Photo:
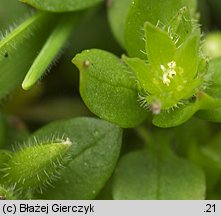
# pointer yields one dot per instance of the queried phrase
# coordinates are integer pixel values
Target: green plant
(168, 77)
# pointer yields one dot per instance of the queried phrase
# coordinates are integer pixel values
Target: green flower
(172, 72)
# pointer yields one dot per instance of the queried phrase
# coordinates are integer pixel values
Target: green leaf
(185, 112)
(34, 167)
(157, 12)
(62, 6)
(160, 175)
(93, 156)
(19, 48)
(51, 49)
(117, 14)
(108, 88)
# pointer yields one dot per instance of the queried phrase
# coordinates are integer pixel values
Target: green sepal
(181, 26)
(142, 73)
(187, 56)
(160, 48)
